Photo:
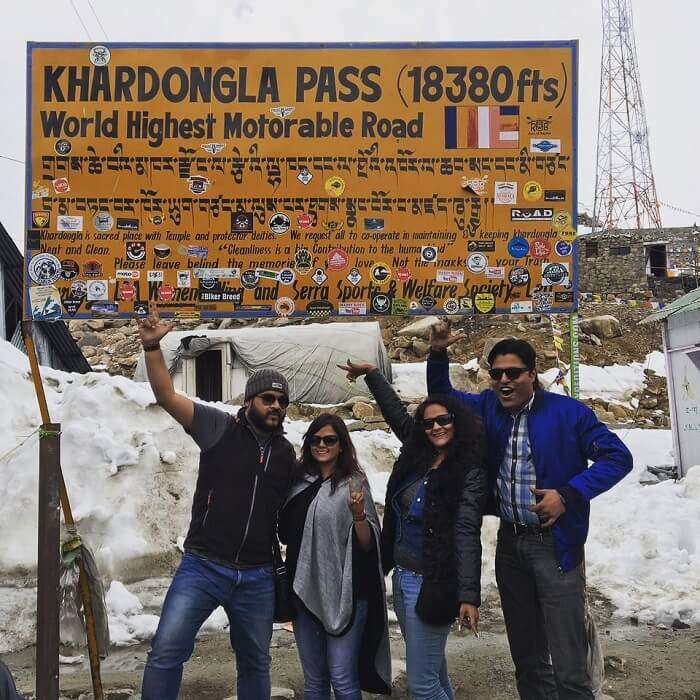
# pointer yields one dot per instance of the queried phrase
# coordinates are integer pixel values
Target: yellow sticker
(335, 185)
(532, 191)
(380, 273)
(562, 220)
(484, 302)
(568, 235)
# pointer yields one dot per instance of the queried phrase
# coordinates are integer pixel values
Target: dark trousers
(544, 611)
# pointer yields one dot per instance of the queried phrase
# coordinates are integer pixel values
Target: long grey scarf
(323, 579)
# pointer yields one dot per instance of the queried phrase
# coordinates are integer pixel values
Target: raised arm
(151, 331)
(389, 403)
(438, 366)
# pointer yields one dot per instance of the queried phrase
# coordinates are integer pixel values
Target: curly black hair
(466, 448)
(347, 464)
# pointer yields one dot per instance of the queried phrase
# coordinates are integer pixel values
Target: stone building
(664, 261)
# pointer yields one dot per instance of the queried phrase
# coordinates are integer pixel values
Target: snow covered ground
(130, 471)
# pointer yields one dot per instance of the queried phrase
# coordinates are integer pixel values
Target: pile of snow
(615, 383)
(131, 470)
(644, 541)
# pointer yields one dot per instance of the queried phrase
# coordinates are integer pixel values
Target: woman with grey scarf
(332, 532)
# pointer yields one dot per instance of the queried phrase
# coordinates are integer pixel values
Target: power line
(98, 20)
(75, 9)
(681, 210)
(14, 160)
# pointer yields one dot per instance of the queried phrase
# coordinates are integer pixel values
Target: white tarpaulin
(307, 355)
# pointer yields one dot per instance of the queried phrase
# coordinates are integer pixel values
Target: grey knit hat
(263, 380)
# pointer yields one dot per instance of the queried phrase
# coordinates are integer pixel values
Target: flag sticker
(482, 127)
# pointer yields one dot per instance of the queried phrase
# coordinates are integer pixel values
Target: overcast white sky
(666, 34)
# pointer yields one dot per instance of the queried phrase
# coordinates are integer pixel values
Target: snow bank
(643, 550)
(613, 382)
(131, 470)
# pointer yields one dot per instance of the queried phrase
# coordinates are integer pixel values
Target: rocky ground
(609, 334)
(642, 663)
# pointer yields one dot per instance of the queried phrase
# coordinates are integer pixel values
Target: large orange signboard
(278, 180)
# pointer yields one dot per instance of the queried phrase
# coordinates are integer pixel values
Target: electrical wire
(14, 160)
(98, 20)
(75, 9)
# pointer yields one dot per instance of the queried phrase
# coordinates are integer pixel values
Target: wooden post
(49, 564)
(85, 594)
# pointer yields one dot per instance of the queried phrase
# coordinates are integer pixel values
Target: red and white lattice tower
(625, 193)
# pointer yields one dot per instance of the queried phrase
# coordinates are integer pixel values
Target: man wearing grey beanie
(245, 470)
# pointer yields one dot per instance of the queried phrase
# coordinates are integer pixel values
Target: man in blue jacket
(540, 485)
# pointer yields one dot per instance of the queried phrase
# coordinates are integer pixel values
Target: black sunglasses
(328, 440)
(271, 399)
(510, 372)
(443, 420)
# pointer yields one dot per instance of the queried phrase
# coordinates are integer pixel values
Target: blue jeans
(198, 588)
(327, 660)
(426, 665)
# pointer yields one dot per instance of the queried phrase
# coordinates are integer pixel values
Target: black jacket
(455, 500)
(240, 488)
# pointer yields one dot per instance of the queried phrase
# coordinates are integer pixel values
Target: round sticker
(44, 269)
(92, 268)
(518, 247)
(166, 292)
(63, 147)
(335, 185)
(279, 223)
(286, 276)
(519, 276)
(450, 305)
(161, 250)
(61, 185)
(427, 302)
(381, 303)
(532, 191)
(484, 302)
(284, 306)
(428, 253)
(477, 262)
(103, 221)
(69, 269)
(540, 248)
(380, 273)
(561, 220)
(99, 55)
(554, 273)
(338, 259)
(562, 248)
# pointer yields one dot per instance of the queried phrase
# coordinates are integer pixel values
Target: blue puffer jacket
(564, 435)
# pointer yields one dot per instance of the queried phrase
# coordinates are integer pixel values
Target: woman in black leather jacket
(431, 534)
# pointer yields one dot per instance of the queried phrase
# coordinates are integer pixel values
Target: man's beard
(259, 420)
